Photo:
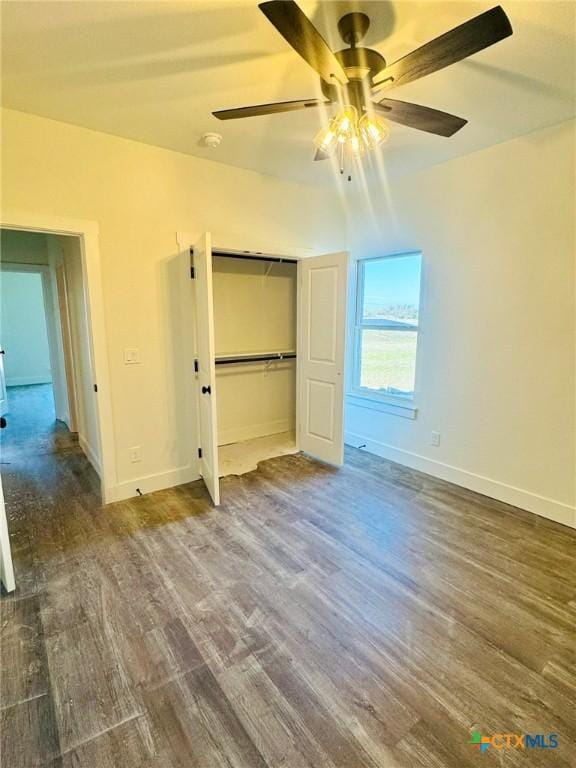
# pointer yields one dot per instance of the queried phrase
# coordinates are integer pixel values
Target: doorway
(310, 317)
(48, 397)
(71, 242)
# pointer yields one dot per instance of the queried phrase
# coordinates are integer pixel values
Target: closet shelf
(255, 358)
(254, 257)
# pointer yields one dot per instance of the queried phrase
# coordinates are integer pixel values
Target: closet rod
(255, 358)
(250, 257)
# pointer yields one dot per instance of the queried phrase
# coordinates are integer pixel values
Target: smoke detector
(211, 140)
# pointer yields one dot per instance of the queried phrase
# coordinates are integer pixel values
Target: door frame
(88, 234)
(6, 564)
(185, 241)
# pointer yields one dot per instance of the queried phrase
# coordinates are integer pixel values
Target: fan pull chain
(343, 162)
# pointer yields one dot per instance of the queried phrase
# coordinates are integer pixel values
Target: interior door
(6, 568)
(3, 395)
(66, 335)
(323, 284)
(206, 378)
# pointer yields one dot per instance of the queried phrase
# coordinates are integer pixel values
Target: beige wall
(496, 373)
(254, 312)
(141, 196)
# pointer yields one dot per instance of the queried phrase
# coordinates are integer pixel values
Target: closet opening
(269, 365)
(255, 326)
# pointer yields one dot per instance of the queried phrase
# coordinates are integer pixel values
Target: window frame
(402, 405)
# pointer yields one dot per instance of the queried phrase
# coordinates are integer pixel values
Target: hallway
(32, 427)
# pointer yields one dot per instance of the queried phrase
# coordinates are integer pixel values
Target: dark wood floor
(367, 617)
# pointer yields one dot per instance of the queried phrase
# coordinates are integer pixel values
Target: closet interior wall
(255, 306)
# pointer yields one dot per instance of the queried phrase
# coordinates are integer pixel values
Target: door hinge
(95, 387)
(192, 273)
(195, 366)
(199, 453)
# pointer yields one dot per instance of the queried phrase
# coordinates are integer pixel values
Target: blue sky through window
(390, 284)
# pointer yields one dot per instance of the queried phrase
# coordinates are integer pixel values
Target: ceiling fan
(355, 77)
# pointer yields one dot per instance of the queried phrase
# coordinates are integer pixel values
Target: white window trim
(363, 397)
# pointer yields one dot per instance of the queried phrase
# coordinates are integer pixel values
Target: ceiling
(154, 71)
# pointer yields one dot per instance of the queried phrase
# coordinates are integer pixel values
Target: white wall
(23, 333)
(254, 312)
(26, 360)
(496, 371)
(141, 196)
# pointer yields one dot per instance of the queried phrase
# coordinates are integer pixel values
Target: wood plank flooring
(363, 618)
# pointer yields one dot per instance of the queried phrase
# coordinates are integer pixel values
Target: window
(386, 329)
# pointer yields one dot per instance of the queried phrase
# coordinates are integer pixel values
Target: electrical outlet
(135, 454)
(435, 438)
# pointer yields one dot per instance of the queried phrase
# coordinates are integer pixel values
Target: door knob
(206, 390)
(3, 422)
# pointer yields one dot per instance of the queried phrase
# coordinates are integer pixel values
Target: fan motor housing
(359, 64)
(353, 27)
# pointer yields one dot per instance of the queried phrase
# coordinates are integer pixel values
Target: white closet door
(6, 569)
(321, 350)
(206, 378)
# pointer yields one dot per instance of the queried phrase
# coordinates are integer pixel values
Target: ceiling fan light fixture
(326, 139)
(345, 124)
(374, 130)
(356, 145)
(342, 130)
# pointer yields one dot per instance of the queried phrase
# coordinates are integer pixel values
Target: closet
(270, 343)
(255, 354)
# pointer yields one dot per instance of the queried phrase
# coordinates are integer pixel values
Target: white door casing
(3, 395)
(205, 355)
(323, 283)
(6, 567)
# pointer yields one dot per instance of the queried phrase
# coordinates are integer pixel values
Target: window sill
(393, 407)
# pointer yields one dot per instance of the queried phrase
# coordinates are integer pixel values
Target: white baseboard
(509, 494)
(89, 453)
(24, 381)
(151, 483)
(249, 432)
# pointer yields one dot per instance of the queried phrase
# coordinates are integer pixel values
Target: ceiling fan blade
(457, 44)
(299, 32)
(422, 118)
(320, 155)
(267, 109)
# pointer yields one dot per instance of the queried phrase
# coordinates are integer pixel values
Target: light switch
(131, 356)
